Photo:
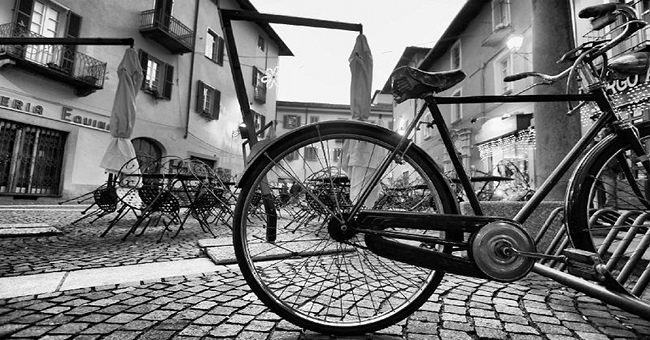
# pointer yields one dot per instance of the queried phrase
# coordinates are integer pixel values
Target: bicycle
(351, 269)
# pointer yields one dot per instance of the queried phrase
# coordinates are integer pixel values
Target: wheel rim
(315, 280)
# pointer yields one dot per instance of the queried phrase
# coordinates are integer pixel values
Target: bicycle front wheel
(298, 259)
(608, 210)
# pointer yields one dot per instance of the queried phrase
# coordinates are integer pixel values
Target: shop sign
(68, 115)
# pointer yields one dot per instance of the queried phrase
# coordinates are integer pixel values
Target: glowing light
(271, 76)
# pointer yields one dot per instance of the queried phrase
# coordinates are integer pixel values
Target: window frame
(498, 9)
(259, 87)
(500, 86)
(285, 122)
(214, 101)
(456, 111)
(456, 49)
(311, 154)
(218, 47)
(164, 73)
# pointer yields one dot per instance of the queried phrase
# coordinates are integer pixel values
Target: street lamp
(514, 43)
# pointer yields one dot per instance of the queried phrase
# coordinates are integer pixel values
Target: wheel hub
(339, 231)
(493, 250)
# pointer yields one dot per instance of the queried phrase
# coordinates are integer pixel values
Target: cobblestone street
(219, 304)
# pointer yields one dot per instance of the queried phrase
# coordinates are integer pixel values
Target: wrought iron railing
(156, 19)
(59, 58)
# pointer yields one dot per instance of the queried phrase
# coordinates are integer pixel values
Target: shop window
(208, 101)
(214, 47)
(291, 121)
(158, 76)
(500, 14)
(259, 87)
(455, 56)
(31, 159)
(211, 163)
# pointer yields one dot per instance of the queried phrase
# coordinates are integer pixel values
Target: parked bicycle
(352, 269)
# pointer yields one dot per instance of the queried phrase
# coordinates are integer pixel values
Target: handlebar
(591, 50)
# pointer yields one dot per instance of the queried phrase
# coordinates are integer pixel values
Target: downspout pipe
(191, 77)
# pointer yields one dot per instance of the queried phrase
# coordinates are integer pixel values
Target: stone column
(556, 132)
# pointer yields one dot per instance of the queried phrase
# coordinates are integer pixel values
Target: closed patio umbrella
(360, 159)
(120, 149)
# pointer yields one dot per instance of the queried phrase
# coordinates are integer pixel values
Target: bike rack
(634, 222)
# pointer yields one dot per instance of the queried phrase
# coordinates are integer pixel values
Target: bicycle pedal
(584, 264)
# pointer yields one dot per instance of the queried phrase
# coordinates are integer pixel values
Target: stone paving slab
(30, 284)
(27, 229)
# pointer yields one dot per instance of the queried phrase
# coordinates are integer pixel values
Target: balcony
(58, 62)
(167, 31)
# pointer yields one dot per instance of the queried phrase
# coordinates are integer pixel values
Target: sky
(319, 71)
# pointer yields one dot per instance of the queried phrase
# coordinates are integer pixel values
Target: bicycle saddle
(409, 82)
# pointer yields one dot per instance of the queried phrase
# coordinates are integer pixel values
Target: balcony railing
(60, 62)
(167, 31)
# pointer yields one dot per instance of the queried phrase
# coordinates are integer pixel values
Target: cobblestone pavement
(80, 247)
(220, 304)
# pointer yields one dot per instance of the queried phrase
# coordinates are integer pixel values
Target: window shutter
(71, 31)
(169, 81)
(74, 25)
(144, 60)
(199, 97)
(220, 50)
(217, 104)
(24, 10)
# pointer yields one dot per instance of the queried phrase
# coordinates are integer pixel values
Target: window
(503, 68)
(259, 122)
(426, 133)
(158, 76)
(214, 47)
(337, 154)
(500, 14)
(291, 121)
(311, 154)
(47, 19)
(146, 148)
(293, 156)
(456, 109)
(259, 87)
(314, 119)
(261, 44)
(208, 101)
(455, 56)
(211, 163)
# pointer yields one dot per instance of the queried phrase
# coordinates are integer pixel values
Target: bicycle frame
(622, 300)
(619, 299)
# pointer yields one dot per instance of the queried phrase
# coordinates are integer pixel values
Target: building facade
(55, 101)
(291, 115)
(488, 40)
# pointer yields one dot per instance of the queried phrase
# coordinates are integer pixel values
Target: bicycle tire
(306, 276)
(603, 210)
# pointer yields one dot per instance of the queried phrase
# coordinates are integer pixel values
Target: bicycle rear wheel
(609, 211)
(312, 272)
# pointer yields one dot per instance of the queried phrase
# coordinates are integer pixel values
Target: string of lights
(522, 140)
